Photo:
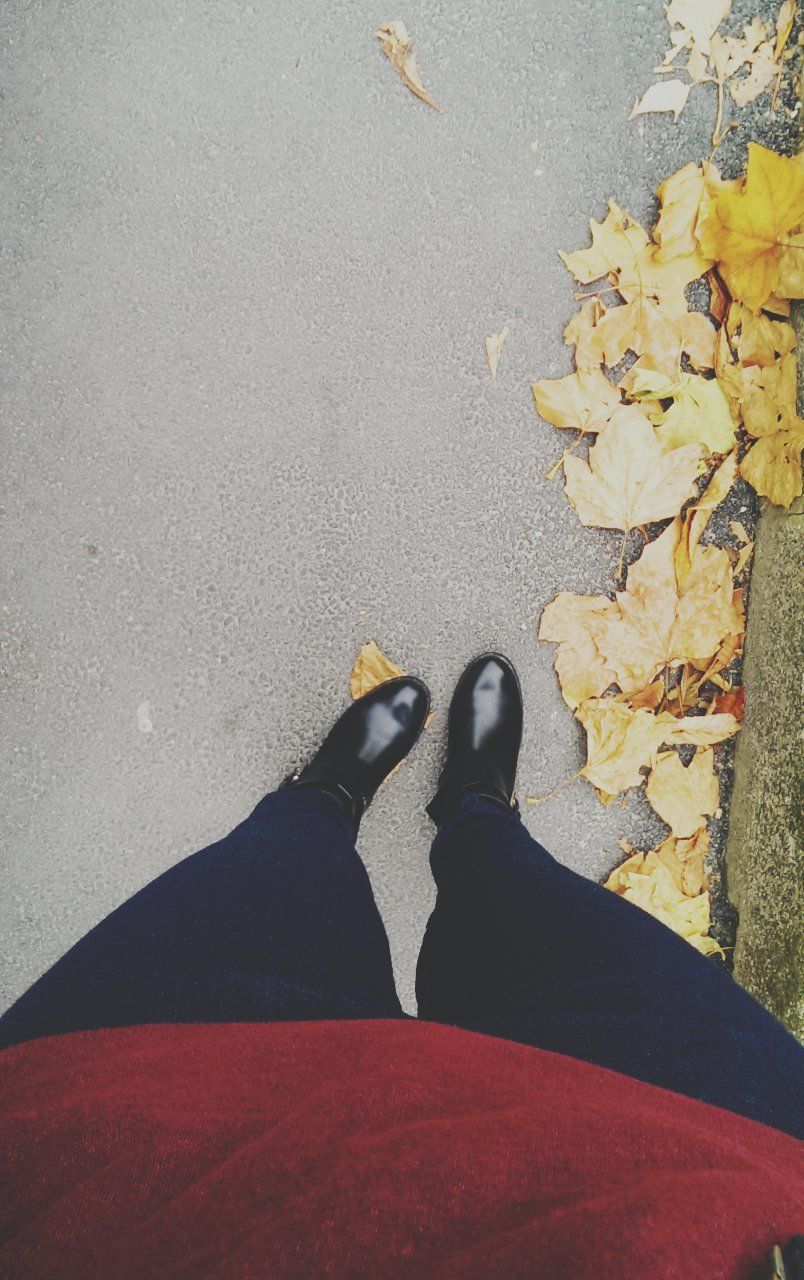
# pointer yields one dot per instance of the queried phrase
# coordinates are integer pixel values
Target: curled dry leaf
(698, 515)
(683, 796)
(371, 668)
(493, 345)
(732, 702)
(628, 481)
(784, 26)
(397, 46)
(739, 531)
(719, 299)
(743, 558)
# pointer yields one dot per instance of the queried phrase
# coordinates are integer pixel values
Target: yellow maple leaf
(745, 231)
(699, 414)
(758, 339)
(647, 329)
(659, 621)
(569, 621)
(622, 251)
(618, 239)
(583, 401)
(371, 668)
(773, 464)
(791, 269)
(680, 198)
(663, 622)
(684, 796)
(628, 481)
(397, 46)
(652, 881)
(578, 333)
(621, 741)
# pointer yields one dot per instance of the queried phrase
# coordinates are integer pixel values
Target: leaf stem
(555, 790)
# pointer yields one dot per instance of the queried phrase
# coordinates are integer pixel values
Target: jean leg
(520, 947)
(275, 922)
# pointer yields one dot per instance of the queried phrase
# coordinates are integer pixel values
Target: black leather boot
(366, 743)
(483, 736)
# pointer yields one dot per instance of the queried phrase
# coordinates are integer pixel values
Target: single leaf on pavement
(397, 46)
(628, 481)
(665, 95)
(684, 796)
(582, 401)
(744, 231)
(493, 345)
(371, 668)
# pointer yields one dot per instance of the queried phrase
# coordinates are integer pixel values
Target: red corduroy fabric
(371, 1149)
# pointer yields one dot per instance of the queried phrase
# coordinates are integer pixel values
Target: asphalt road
(248, 421)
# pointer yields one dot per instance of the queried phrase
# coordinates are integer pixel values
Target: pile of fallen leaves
(750, 64)
(679, 404)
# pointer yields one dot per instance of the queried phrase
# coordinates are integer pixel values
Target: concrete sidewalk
(248, 421)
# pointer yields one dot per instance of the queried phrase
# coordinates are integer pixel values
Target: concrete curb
(765, 849)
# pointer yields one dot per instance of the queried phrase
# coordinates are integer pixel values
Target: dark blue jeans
(278, 921)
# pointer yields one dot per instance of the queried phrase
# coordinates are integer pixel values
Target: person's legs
(523, 948)
(276, 921)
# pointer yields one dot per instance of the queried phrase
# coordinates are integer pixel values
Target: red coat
(371, 1149)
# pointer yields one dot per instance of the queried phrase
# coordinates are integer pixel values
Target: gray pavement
(248, 421)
